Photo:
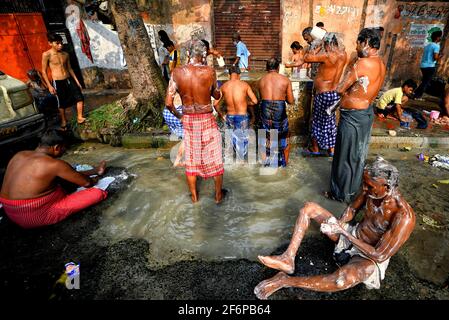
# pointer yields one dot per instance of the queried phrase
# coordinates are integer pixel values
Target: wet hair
(197, 49)
(410, 83)
(234, 69)
(436, 34)
(206, 43)
(296, 45)
(52, 37)
(330, 39)
(371, 36)
(272, 64)
(381, 168)
(320, 24)
(306, 31)
(52, 137)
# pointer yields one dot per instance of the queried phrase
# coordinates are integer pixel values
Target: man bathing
(30, 194)
(275, 90)
(358, 89)
(235, 93)
(363, 250)
(196, 83)
(65, 83)
(332, 59)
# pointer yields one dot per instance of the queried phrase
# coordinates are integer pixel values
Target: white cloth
(373, 281)
(102, 184)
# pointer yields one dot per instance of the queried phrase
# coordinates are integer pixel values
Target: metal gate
(259, 25)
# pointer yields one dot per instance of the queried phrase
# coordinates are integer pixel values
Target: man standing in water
(275, 90)
(65, 83)
(331, 59)
(359, 88)
(196, 83)
(235, 93)
(363, 251)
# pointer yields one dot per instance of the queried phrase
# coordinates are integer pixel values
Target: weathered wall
(183, 20)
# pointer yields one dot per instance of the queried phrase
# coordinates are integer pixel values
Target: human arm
(355, 206)
(71, 72)
(216, 92)
(315, 56)
(170, 97)
(446, 101)
(64, 171)
(45, 61)
(251, 105)
(98, 170)
(348, 80)
(290, 98)
(218, 104)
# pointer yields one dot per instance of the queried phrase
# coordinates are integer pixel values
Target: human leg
(286, 261)
(427, 74)
(79, 108)
(191, 183)
(348, 276)
(218, 180)
(63, 118)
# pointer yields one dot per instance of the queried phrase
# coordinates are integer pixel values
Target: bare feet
(101, 168)
(220, 196)
(194, 198)
(267, 287)
(283, 262)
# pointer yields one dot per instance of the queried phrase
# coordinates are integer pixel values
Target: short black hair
(206, 43)
(52, 37)
(272, 64)
(52, 137)
(296, 45)
(410, 83)
(371, 36)
(234, 69)
(320, 24)
(436, 34)
(306, 31)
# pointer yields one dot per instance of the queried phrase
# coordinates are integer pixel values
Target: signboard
(419, 34)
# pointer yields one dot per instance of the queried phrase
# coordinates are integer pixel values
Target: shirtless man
(235, 93)
(196, 83)
(363, 250)
(30, 194)
(65, 83)
(331, 59)
(297, 60)
(275, 90)
(357, 90)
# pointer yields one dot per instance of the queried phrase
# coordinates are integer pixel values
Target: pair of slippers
(310, 153)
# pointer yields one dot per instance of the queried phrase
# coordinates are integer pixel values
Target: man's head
(55, 40)
(380, 178)
(198, 51)
(320, 25)
(408, 87)
(330, 41)
(436, 36)
(233, 70)
(33, 75)
(306, 34)
(273, 64)
(54, 141)
(296, 47)
(236, 38)
(367, 39)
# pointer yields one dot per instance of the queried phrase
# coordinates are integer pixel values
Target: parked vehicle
(20, 119)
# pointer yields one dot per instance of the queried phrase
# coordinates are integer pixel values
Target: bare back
(329, 72)
(195, 85)
(235, 93)
(58, 63)
(274, 86)
(365, 79)
(32, 174)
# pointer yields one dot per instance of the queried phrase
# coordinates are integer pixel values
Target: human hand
(331, 227)
(52, 90)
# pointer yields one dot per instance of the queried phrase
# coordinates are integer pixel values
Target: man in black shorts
(65, 83)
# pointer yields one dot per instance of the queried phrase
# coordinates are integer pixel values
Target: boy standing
(65, 83)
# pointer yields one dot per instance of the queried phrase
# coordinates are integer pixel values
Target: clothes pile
(440, 161)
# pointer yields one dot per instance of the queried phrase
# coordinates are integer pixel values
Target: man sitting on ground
(30, 194)
(363, 250)
(392, 101)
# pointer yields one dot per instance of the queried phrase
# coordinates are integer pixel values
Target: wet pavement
(121, 260)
